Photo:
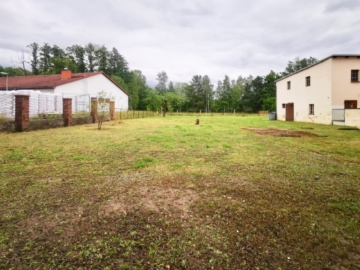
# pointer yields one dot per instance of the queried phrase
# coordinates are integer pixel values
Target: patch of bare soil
(161, 200)
(35, 227)
(227, 182)
(282, 132)
(116, 207)
(64, 223)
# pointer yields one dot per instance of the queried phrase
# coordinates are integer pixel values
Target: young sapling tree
(103, 107)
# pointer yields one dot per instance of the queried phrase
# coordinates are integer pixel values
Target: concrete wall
(342, 87)
(94, 84)
(318, 93)
(352, 117)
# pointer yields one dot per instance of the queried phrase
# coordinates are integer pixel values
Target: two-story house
(327, 92)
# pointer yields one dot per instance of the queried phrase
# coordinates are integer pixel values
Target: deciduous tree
(90, 50)
(161, 87)
(77, 54)
(102, 56)
(34, 57)
(298, 64)
(45, 56)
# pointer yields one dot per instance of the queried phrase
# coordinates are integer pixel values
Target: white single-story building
(78, 86)
(327, 92)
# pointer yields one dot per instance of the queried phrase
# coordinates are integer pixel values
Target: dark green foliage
(102, 56)
(57, 52)
(134, 86)
(194, 93)
(142, 90)
(298, 64)
(89, 58)
(34, 57)
(120, 81)
(153, 101)
(269, 91)
(269, 104)
(90, 51)
(251, 99)
(77, 54)
(171, 87)
(199, 94)
(14, 71)
(173, 101)
(60, 63)
(229, 94)
(118, 66)
(45, 56)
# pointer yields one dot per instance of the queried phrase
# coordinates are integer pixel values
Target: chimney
(66, 74)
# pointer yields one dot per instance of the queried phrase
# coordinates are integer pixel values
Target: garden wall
(45, 124)
(23, 121)
(37, 124)
(7, 126)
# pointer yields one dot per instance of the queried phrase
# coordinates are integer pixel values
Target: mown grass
(164, 193)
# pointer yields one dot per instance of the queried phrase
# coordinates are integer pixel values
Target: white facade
(315, 91)
(92, 86)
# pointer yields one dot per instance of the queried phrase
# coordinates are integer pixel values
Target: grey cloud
(342, 5)
(189, 37)
(197, 9)
(8, 45)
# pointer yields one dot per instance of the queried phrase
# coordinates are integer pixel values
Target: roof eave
(107, 76)
(323, 60)
(27, 88)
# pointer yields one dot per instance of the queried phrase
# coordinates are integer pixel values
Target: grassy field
(163, 193)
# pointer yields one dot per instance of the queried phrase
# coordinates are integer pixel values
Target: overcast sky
(189, 37)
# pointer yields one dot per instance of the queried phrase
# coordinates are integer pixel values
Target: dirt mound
(282, 132)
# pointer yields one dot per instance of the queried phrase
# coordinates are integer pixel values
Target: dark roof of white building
(47, 81)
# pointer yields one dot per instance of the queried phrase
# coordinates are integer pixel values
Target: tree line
(243, 94)
(247, 94)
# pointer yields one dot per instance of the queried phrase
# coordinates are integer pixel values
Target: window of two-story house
(288, 85)
(350, 104)
(311, 109)
(307, 81)
(355, 75)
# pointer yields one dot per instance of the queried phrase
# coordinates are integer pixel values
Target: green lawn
(164, 193)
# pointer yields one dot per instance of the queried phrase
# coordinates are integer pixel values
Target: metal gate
(338, 115)
(80, 103)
